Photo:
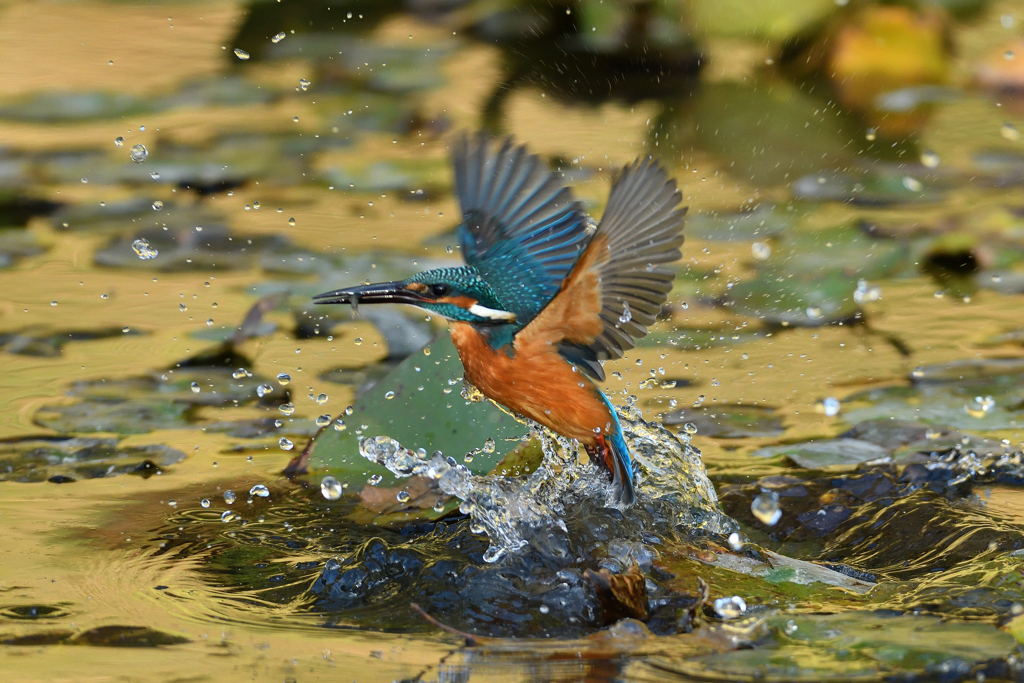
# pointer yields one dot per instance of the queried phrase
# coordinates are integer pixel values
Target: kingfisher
(546, 296)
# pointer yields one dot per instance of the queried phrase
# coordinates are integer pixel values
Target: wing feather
(522, 229)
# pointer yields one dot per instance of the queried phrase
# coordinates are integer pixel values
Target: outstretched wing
(521, 229)
(618, 287)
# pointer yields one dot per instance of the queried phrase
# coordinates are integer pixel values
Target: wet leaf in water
(759, 224)
(781, 298)
(51, 344)
(117, 416)
(826, 453)
(40, 459)
(729, 421)
(867, 190)
(424, 417)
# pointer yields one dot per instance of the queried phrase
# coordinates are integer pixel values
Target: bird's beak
(380, 293)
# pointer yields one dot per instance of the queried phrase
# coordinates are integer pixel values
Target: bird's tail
(611, 451)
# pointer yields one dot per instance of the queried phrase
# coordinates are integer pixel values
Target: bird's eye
(439, 290)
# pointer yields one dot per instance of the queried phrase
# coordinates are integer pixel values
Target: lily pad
(760, 223)
(418, 404)
(866, 190)
(786, 299)
(186, 249)
(852, 248)
(115, 416)
(973, 395)
(826, 453)
(51, 344)
(729, 421)
(42, 459)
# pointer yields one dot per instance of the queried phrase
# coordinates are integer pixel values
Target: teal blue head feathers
(454, 293)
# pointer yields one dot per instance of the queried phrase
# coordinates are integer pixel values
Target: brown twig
(471, 640)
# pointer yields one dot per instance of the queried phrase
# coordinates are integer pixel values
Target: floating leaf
(826, 453)
(729, 421)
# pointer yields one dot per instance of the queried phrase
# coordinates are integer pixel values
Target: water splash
(672, 486)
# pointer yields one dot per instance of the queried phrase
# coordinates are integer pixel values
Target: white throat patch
(491, 313)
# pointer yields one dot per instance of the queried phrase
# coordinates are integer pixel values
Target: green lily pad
(419, 404)
(729, 421)
(51, 344)
(760, 223)
(213, 247)
(116, 416)
(826, 453)
(849, 248)
(781, 298)
(68, 459)
(855, 646)
(866, 190)
(973, 395)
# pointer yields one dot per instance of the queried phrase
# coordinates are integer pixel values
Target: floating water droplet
(544, 609)
(912, 184)
(340, 425)
(291, 222)
(230, 497)
(157, 205)
(330, 488)
(240, 373)
(403, 496)
(374, 479)
(870, 134)
(304, 84)
(279, 37)
(143, 250)
(918, 372)
(690, 428)
(627, 314)
(260, 491)
(761, 251)
(766, 508)
(1006, 21)
(53, 303)
(866, 293)
(138, 153)
(182, 308)
(980, 406)
(205, 502)
(283, 379)
(1009, 55)
(389, 395)
(196, 388)
(285, 444)
(814, 313)
(209, 322)
(241, 54)
(349, 410)
(929, 159)
(1010, 132)
(439, 506)
(321, 399)
(119, 141)
(264, 389)
(731, 607)
(735, 542)
(358, 341)
(488, 446)
(830, 406)
(791, 627)
(227, 516)
(154, 175)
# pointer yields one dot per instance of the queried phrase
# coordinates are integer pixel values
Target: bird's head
(454, 293)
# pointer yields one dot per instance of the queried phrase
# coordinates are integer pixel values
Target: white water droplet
(830, 406)
(119, 141)
(143, 250)
(195, 388)
(264, 389)
(283, 379)
(1010, 132)
(339, 425)
(929, 159)
(321, 399)
(403, 497)
(260, 491)
(240, 373)
(138, 153)
(205, 502)
(912, 184)
(731, 607)
(761, 251)
(389, 395)
(870, 134)
(330, 488)
(285, 444)
(241, 54)
(279, 37)
(627, 314)
(766, 508)
(323, 420)
(304, 84)
(157, 205)
(287, 408)
(227, 516)
(735, 542)
(229, 497)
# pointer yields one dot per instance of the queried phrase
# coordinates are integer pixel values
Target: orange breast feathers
(535, 381)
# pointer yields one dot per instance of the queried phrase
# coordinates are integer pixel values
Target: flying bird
(545, 296)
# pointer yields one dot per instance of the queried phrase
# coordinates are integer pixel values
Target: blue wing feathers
(522, 230)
